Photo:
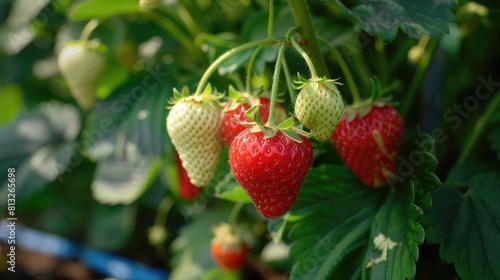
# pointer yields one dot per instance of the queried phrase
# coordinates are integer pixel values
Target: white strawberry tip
(226, 237)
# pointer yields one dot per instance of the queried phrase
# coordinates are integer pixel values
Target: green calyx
(239, 97)
(289, 127)
(313, 84)
(378, 98)
(94, 45)
(208, 97)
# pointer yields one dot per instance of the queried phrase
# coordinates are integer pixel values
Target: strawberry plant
(308, 139)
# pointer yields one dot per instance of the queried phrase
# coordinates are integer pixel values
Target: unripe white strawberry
(319, 106)
(81, 66)
(149, 4)
(193, 125)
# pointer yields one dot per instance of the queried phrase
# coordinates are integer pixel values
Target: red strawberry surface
(229, 258)
(230, 129)
(369, 142)
(270, 170)
(227, 249)
(187, 191)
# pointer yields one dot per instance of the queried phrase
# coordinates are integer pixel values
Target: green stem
(188, 19)
(306, 30)
(234, 214)
(382, 61)
(162, 212)
(289, 81)
(274, 88)
(238, 82)
(251, 64)
(87, 30)
(479, 128)
(211, 69)
(356, 97)
(270, 22)
(171, 28)
(418, 77)
(306, 57)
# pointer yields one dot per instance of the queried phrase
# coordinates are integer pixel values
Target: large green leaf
(40, 146)
(341, 227)
(467, 226)
(417, 164)
(383, 17)
(130, 124)
(395, 236)
(102, 9)
(17, 33)
(336, 212)
(121, 182)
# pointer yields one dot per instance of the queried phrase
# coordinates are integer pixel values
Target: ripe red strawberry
(187, 191)
(228, 250)
(270, 170)
(233, 110)
(368, 139)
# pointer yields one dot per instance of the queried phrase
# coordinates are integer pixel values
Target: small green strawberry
(193, 125)
(81, 65)
(319, 106)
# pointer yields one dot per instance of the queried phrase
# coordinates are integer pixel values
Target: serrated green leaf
(102, 9)
(417, 164)
(467, 226)
(395, 236)
(332, 214)
(383, 17)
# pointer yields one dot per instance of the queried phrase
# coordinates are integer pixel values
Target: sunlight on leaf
(383, 17)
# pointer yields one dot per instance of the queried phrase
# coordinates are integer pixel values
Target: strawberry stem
(234, 214)
(306, 57)
(423, 64)
(271, 121)
(303, 21)
(478, 129)
(251, 63)
(211, 69)
(356, 97)
(162, 212)
(171, 28)
(270, 22)
(289, 81)
(87, 30)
